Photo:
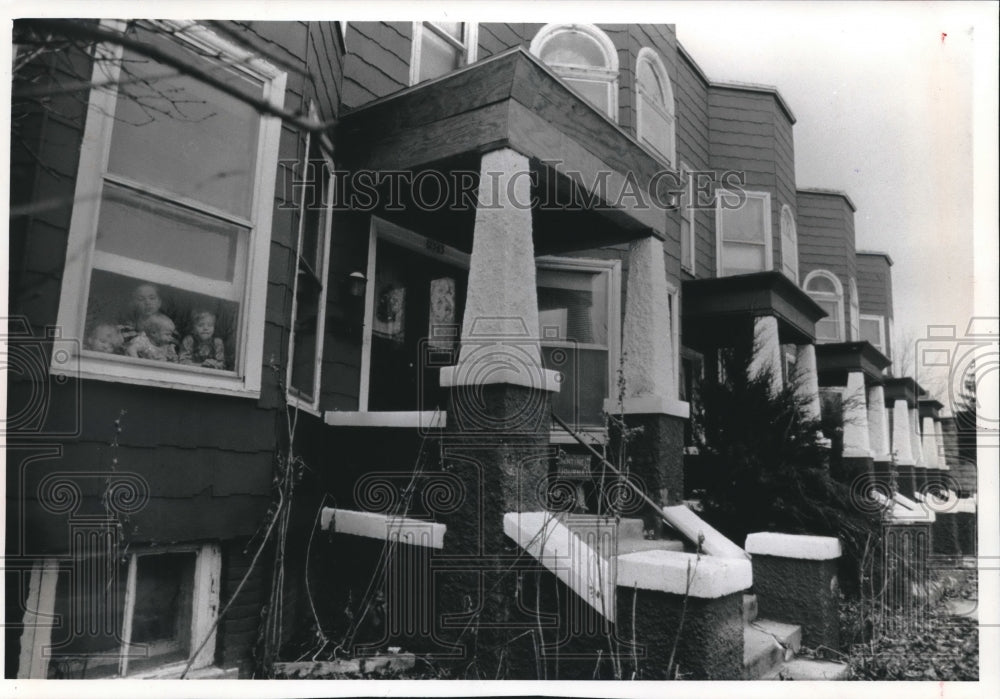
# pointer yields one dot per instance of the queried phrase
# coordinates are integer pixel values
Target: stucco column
(930, 445)
(856, 444)
(767, 350)
(878, 423)
(496, 442)
(918, 453)
(808, 388)
(650, 367)
(902, 445)
(649, 371)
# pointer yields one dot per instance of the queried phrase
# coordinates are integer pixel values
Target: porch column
(878, 423)
(496, 440)
(767, 350)
(918, 453)
(856, 444)
(808, 388)
(902, 447)
(649, 372)
(930, 445)
(901, 443)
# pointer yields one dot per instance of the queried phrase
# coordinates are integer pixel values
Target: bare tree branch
(96, 33)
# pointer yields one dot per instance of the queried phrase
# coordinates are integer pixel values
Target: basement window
(142, 615)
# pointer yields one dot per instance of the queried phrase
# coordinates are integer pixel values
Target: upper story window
(789, 245)
(166, 266)
(826, 290)
(414, 309)
(872, 329)
(655, 104)
(853, 314)
(308, 310)
(584, 57)
(743, 234)
(441, 47)
(687, 210)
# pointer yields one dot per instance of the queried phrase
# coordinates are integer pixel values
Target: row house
(415, 265)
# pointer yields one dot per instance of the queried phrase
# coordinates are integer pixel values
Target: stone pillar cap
(802, 546)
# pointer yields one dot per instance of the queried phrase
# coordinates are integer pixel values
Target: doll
(155, 340)
(202, 347)
(106, 337)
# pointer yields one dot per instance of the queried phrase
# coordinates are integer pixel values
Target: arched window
(854, 316)
(655, 104)
(789, 245)
(584, 57)
(826, 290)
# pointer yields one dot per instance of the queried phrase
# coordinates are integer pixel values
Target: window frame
(669, 110)
(767, 243)
(469, 45)
(381, 229)
(874, 317)
(853, 311)
(245, 378)
(688, 211)
(40, 617)
(836, 296)
(789, 239)
(608, 75)
(292, 394)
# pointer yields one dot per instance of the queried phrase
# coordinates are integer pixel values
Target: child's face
(161, 333)
(204, 327)
(146, 300)
(106, 338)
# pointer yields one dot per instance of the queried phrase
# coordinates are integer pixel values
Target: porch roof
(511, 100)
(903, 388)
(710, 303)
(835, 359)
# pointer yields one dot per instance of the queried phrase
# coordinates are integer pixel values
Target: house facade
(374, 258)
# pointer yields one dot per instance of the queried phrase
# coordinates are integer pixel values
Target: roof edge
(829, 192)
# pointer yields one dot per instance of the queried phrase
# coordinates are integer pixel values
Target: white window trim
(668, 111)
(469, 44)
(673, 294)
(607, 75)
(39, 615)
(688, 214)
(837, 297)
(80, 249)
(720, 197)
(789, 233)
(854, 319)
(382, 229)
(292, 396)
(881, 328)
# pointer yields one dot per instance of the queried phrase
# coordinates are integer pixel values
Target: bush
(768, 465)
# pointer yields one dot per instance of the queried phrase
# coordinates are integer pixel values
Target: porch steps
(768, 644)
(769, 649)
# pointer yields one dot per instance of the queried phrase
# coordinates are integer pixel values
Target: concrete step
(749, 608)
(767, 644)
(806, 669)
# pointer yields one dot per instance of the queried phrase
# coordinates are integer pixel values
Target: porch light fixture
(356, 283)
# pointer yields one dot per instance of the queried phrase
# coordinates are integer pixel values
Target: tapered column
(931, 446)
(649, 371)
(918, 453)
(856, 443)
(496, 443)
(878, 423)
(902, 444)
(767, 350)
(808, 388)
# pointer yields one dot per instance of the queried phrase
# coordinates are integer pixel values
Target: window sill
(304, 407)
(142, 373)
(424, 419)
